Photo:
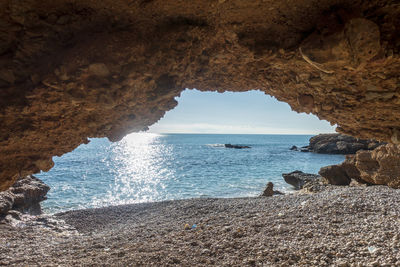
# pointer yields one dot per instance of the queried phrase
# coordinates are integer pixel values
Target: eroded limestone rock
(73, 70)
(335, 175)
(380, 166)
(340, 144)
(24, 196)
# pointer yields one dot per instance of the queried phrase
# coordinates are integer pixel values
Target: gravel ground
(341, 226)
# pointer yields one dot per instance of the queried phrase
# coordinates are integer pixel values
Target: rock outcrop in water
(236, 146)
(24, 196)
(70, 70)
(339, 144)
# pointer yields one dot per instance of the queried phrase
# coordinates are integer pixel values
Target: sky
(251, 112)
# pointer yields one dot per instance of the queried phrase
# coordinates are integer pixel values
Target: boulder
(380, 166)
(24, 196)
(28, 190)
(350, 168)
(342, 174)
(294, 148)
(335, 175)
(339, 144)
(269, 191)
(298, 178)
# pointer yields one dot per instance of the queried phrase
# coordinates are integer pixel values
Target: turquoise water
(147, 167)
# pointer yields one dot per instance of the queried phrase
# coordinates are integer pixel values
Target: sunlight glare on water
(146, 167)
(140, 170)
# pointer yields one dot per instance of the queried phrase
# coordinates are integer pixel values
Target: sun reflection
(139, 166)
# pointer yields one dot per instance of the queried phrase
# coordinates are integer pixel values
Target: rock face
(70, 70)
(24, 196)
(298, 178)
(339, 144)
(6, 201)
(380, 166)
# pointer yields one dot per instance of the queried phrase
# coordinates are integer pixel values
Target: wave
(215, 145)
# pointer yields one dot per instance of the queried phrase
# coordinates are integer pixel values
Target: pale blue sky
(250, 112)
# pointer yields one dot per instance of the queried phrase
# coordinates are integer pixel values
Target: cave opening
(184, 155)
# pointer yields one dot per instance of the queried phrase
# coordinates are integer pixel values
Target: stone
(28, 191)
(342, 174)
(380, 166)
(269, 191)
(24, 196)
(298, 178)
(335, 175)
(135, 57)
(350, 169)
(294, 148)
(340, 144)
(236, 146)
(6, 202)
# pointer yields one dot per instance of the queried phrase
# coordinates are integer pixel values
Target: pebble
(287, 233)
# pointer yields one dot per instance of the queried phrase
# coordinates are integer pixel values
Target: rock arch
(70, 70)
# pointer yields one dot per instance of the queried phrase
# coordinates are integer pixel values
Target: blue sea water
(146, 167)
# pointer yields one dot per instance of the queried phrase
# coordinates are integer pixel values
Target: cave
(75, 70)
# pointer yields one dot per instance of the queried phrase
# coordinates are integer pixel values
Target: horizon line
(246, 133)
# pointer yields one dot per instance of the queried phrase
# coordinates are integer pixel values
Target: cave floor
(341, 226)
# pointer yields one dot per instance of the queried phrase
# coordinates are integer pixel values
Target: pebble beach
(340, 226)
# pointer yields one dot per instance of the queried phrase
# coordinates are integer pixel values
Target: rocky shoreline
(319, 224)
(337, 144)
(340, 226)
(367, 161)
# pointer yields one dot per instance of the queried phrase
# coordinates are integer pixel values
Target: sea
(148, 167)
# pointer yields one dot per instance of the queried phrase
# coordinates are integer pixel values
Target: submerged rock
(298, 178)
(294, 148)
(24, 196)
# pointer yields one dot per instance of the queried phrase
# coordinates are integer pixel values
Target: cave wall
(70, 70)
